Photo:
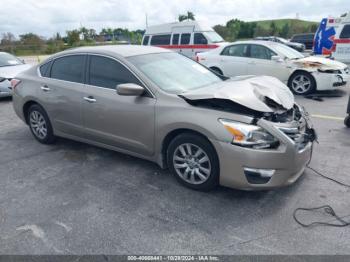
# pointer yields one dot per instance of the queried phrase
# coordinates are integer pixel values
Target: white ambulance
(187, 37)
(333, 38)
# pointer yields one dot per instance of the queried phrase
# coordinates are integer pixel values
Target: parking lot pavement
(73, 198)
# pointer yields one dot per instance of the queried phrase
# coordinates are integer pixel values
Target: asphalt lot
(72, 198)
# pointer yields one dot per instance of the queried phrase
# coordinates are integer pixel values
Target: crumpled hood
(320, 62)
(248, 91)
(12, 71)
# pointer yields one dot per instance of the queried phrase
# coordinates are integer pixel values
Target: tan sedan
(243, 132)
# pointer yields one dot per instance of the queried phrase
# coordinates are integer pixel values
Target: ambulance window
(145, 40)
(185, 39)
(176, 39)
(199, 39)
(160, 40)
(346, 32)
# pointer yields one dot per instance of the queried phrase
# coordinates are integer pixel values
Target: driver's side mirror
(277, 58)
(130, 89)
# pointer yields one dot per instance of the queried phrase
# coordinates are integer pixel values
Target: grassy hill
(291, 22)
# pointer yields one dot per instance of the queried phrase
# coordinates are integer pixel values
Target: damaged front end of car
(264, 100)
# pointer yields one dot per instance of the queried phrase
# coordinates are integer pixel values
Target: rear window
(145, 40)
(199, 39)
(69, 68)
(160, 40)
(45, 69)
(176, 39)
(185, 39)
(345, 33)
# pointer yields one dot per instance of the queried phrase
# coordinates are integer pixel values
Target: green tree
(188, 16)
(73, 37)
(273, 28)
(32, 42)
(285, 30)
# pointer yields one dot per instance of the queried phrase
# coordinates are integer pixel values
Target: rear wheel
(193, 161)
(40, 125)
(302, 83)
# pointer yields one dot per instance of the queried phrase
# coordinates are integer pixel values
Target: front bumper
(288, 162)
(5, 90)
(326, 81)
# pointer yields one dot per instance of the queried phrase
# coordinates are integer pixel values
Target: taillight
(14, 83)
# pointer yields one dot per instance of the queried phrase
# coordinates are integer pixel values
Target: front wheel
(194, 162)
(40, 125)
(302, 83)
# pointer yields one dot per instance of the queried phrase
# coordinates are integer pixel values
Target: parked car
(10, 66)
(187, 37)
(302, 74)
(245, 132)
(333, 38)
(297, 46)
(305, 39)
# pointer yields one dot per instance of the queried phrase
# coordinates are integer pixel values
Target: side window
(145, 40)
(199, 39)
(175, 39)
(260, 52)
(160, 40)
(69, 68)
(185, 39)
(45, 69)
(236, 50)
(345, 33)
(108, 73)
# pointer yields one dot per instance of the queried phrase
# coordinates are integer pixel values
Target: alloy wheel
(301, 84)
(192, 163)
(38, 124)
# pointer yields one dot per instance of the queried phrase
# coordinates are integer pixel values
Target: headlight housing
(251, 136)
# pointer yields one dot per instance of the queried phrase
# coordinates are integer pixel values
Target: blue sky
(45, 17)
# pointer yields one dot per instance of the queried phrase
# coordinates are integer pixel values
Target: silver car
(243, 132)
(10, 66)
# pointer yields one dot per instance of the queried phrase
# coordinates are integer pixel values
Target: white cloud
(47, 17)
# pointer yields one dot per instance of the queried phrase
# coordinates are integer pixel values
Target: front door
(126, 122)
(185, 46)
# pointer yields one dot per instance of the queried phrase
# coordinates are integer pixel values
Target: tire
(347, 121)
(302, 83)
(190, 171)
(216, 70)
(40, 125)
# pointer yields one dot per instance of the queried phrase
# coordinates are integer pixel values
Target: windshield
(213, 37)
(174, 73)
(288, 52)
(9, 60)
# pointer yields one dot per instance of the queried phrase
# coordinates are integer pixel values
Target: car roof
(119, 50)
(258, 42)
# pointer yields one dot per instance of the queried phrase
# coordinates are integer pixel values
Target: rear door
(185, 46)
(61, 93)
(342, 51)
(234, 60)
(126, 122)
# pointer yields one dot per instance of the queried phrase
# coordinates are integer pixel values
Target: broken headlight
(249, 135)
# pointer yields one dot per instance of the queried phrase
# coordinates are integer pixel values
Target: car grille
(300, 133)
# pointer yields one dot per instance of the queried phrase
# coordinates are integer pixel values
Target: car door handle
(90, 99)
(45, 88)
(251, 63)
